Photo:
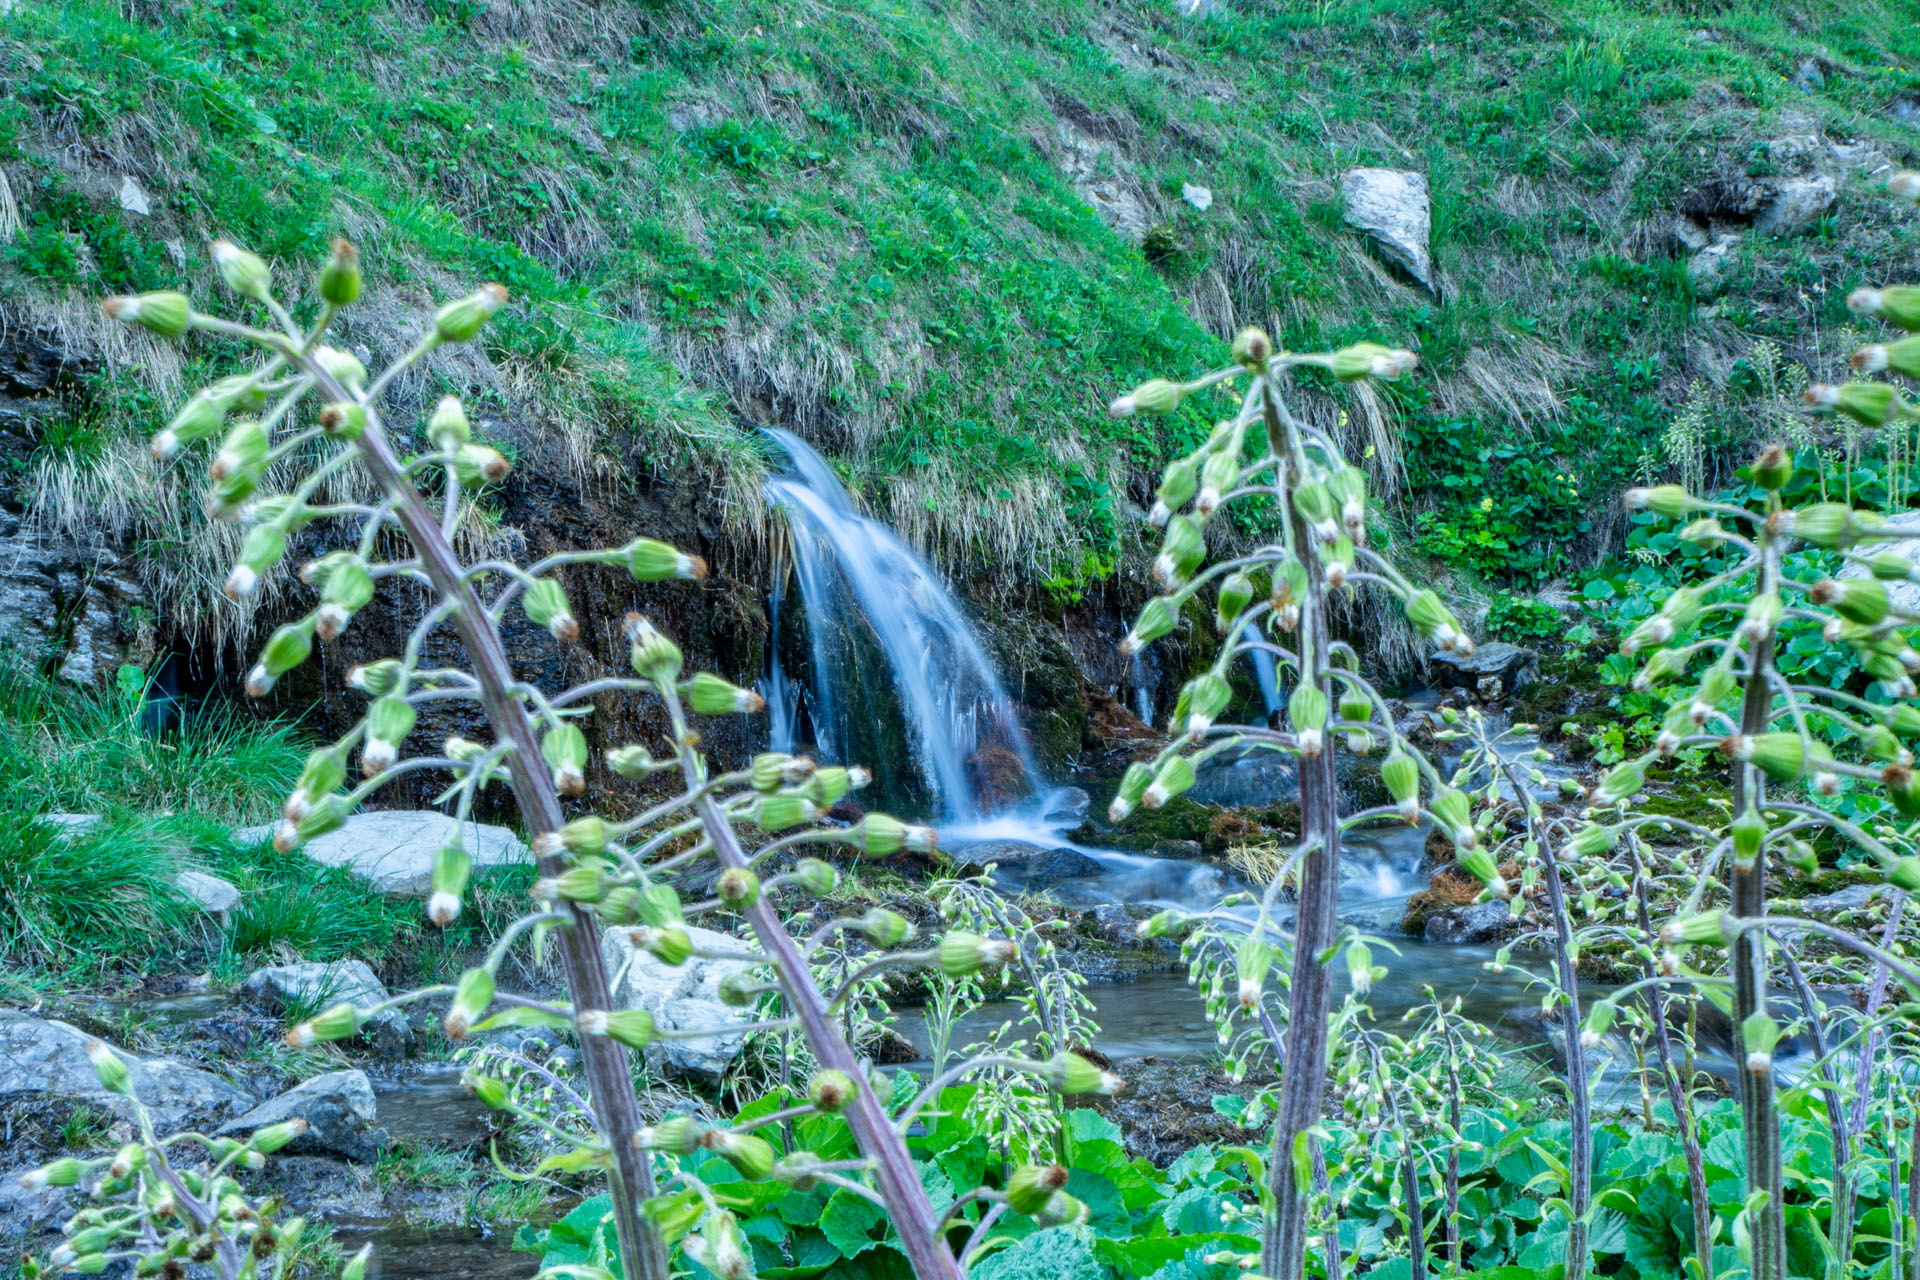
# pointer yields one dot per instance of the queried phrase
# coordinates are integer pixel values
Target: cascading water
(1264, 673)
(860, 583)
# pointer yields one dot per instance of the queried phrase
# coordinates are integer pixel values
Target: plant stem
(1579, 1101)
(1678, 1092)
(1310, 996)
(609, 1079)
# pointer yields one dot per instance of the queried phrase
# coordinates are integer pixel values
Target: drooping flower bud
(389, 721)
(1180, 553)
(564, 748)
(1669, 500)
(1236, 593)
(709, 695)
(1206, 696)
(631, 1027)
(1371, 360)
(343, 367)
(1176, 489)
(1174, 777)
(830, 1091)
(1709, 926)
(377, 679)
(243, 272)
(1069, 1073)
(652, 654)
(275, 1137)
(1032, 1185)
(1773, 468)
(1252, 348)
(1218, 477)
(1307, 715)
(669, 944)
(674, 1135)
(586, 836)
(114, 1074)
(1899, 303)
(1860, 600)
(651, 561)
(884, 928)
(1133, 785)
(452, 866)
(1154, 399)
(962, 953)
(336, 1023)
(1872, 404)
(1624, 780)
(749, 1153)
(448, 426)
(470, 1000)
(340, 277)
(737, 887)
(1749, 832)
(285, 649)
(781, 810)
(462, 321)
(1156, 619)
(546, 604)
(660, 906)
(165, 314)
(816, 877)
(1401, 777)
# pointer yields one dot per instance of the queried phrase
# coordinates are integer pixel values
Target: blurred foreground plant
(316, 409)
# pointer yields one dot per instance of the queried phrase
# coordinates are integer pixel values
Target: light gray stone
(1477, 922)
(210, 893)
(1508, 666)
(340, 1111)
(71, 826)
(313, 986)
(1098, 172)
(1793, 204)
(49, 1058)
(1855, 897)
(1903, 596)
(1707, 270)
(1200, 198)
(1392, 206)
(394, 849)
(133, 198)
(682, 998)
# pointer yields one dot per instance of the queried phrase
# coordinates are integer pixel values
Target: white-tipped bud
(443, 908)
(1165, 571)
(1871, 358)
(1667, 743)
(1159, 516)
(1699, 712)
(1119, 810)
(331, 620)
(1827, 784)
(286, 837)
(1312, 742)
(1759, 1063)
(377, 757)
(1249, 994)
(259, 683)
(1830, 630)
(165, 446)
(593, 1022)
(1156, 795)
(547, 844)
(1864, 302)
(1337, 573)
(241, 583)
(1823, 395)
(1589, 1039)
(1206, 501)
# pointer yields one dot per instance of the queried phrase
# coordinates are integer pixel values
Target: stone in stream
(682, 998)
(393, 849)
(339, 1109)
(1492, 670)
(1476, 922)
(312, 986)
(47, 1060)
(1033, 863)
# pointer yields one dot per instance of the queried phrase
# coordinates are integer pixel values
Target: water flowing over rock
(394, 848)
(861, 584)
(681, 998)
(339, 1109)
(1480, 922)
(1391, 206)
(312, 986)
(44, 1059)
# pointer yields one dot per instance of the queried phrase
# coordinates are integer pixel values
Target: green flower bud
(479, 465)
(1593, 839)
(1899, 303)
(1206, 697)
(1762, 616)
(322, 775)
(342, 420)
(1063, 1210)
(660, 906)
(61, 1173)
(448, 426)
(471, 999)
(829, 784)
(285, 649)
(1669, 500)
(781, 810)
(343, 367)
(1162, 924)
(1401, 776)
(262, 549)
(586, 836)
(1371, 360)
(750, 1154)
(831, 1091)
(1252, 348)
(564, 748)
(815, 876)
(1174, 777)
(635, 762)
(166, 314)
(738, 989)
(1624, 780)
(1871, 404)
(1236, 593)
(1156, 619)
(389, 721)
(1781, 756)
(651, 561)
(773, 770)
(1479, 863)
(884, 928)
(243, 272)
(491, 1092)
(377, 678)
(1773, 468)
(1307, 714)
(275, 1136)
(1801, 857)
(576, 884)
(1451, 809)
(338, 1022)
(1749, 832)
(340, 278)
(546, 604)
(652, 654)
(669, 944)
(1133, 785)
(709, 695)
(243, 453)
(1154, 399)
(1431, 618)
(621, 906)
(962, 953)
(1032, 1185)
(631, 1027)
(800, 1170)
(1180, 553)
(675, 1135)
(1289, 584)
(1219, 476)
(462, 321)
(1857, 600)
(1717, 927)
(1177, 486)
(1069, 1073)
(451, 868)
(738, 887)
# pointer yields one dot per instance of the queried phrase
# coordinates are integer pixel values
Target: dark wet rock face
(1167, 1106)
(1479, 922)
(1490, 672)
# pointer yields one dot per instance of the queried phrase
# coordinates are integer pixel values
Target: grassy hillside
(877, 223)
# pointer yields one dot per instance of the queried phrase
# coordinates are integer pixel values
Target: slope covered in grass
(936, 238)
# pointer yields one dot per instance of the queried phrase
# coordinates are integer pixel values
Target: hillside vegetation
(936, 238)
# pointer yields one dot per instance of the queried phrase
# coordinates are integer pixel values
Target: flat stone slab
(393, 849)
(43, 1057)
(210, 893)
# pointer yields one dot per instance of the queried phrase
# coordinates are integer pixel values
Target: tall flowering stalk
(1263, 453)
(318, 410)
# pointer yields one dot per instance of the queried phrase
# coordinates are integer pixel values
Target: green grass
(855, 219)
(169, 801)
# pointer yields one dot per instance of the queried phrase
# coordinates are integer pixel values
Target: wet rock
(1391, 206)
(1477, 922)
(47, 1060)
(210, 893)
(1167, 1106)
(1032, 863)
(339, 1109)
(311, 987)
(1794, 204)
(1492, 670)
(1855, 897)
(1177, 849)
(1110, 923)
(394, 848)
(1066, 806)
(685, 998)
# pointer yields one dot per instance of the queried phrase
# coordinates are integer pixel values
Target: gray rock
(1061, 864)
(394, 848)
(1864, 157)
(340, 1112)
(1177, 849)
(1066, 805)
(45, 1058)
(1793, 204)
(1110, 923)
(685, 998)
(1855, 897)
(1903, 596)
(1510, 665)
(312, 986)
(210, 893)
(29, 1213)
(1014, 855)
(1477, 922)
(1101, 176)
(71, 826)
(1392, 206)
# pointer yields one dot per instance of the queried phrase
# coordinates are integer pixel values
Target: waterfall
(1264, 673)
(864, 589)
